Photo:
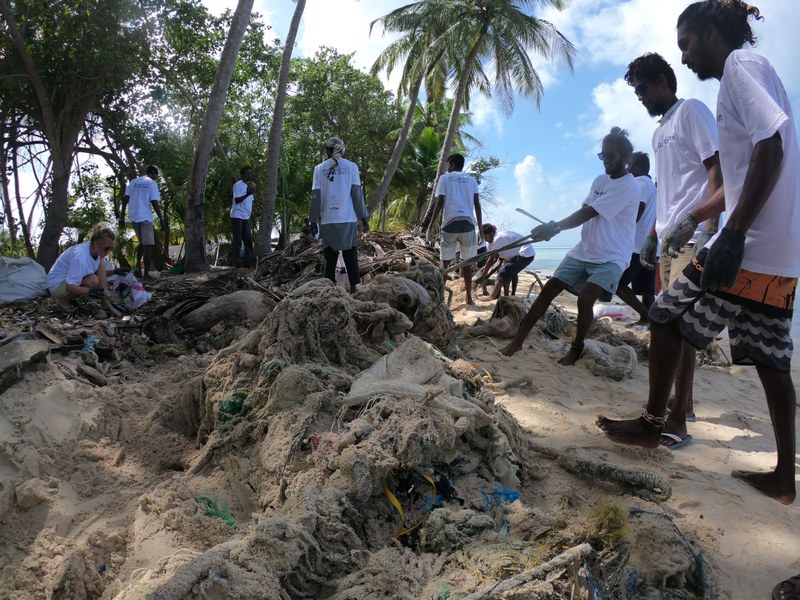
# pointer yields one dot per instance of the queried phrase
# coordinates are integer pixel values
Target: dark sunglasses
(609, 156)
(640, 90)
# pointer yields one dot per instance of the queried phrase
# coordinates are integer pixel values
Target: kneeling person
(81, 269)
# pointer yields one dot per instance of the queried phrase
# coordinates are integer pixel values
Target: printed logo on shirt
(670, 138)
(719, 118)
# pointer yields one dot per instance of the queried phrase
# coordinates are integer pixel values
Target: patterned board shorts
(757, 311)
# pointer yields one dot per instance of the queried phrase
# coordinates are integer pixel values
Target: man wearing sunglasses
(689, 199)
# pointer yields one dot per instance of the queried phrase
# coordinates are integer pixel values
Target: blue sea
(547, 259)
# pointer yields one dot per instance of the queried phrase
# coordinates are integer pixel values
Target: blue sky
(549, 155)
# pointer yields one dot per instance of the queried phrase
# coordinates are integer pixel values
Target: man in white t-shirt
(141, 198)
(689, 190)
(638, 280)
(337, 205)
(608, 219)
(746, 277)
(515, 260)
(241, 209)
(458, 200)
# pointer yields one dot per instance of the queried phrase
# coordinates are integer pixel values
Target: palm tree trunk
(264, 241)
(380, 192)
(4, 152)
(195, 259)
(452, 124)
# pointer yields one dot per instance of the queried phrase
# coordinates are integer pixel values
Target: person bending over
(515, 259)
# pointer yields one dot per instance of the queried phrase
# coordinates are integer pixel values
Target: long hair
(730, 17)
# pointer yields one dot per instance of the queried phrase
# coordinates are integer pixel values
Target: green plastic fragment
(212, 510)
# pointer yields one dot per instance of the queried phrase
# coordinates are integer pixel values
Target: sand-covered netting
(348, 447)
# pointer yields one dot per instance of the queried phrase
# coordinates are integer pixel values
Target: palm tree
(419, 65)
(195, 231)
(499, 34)
(264, 240)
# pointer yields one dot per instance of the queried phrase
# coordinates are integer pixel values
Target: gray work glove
(677, 236)
(723, 261)
(545, 231)
(97, 292)
(365, 224)
(648, 255)
(704, 238)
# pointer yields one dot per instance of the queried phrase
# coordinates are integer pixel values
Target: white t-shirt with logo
(752, 106)
(504, 238)
(243, 209)
(72, 266)
(141, 191)
(458, 189)
(686, 136)
(608, 237)
(648, 195)
(336, 202)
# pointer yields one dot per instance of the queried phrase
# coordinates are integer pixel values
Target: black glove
(648, 255)
(97, 292)
(544, 232)
(122, 271)
(677, 236)
(121, 223)
(723, 261)
(365, 224)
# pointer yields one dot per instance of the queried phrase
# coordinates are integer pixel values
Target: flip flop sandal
(788, 589)
(673, 442)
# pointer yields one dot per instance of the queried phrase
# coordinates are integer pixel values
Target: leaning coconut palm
(263, 243)
(500, 34)
(420, 65)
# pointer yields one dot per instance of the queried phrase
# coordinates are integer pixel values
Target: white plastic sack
(21, 279)
(130, 291)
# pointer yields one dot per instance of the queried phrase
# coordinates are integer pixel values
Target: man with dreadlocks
(337, 205)
(745, 278)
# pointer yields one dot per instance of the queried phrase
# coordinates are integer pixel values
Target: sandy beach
(753, 540)
(100, 484)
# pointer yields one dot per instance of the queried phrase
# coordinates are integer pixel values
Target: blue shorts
(576, 273)
(513, 267)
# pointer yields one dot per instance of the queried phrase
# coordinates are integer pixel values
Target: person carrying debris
(608, 216)
(458, 200)
(515, 259)
(81, 270)
(337, 205)
(143, 195)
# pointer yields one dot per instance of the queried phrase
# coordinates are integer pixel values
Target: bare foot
(571, 357)
(780, 488)
(511, 348)
(636, 432)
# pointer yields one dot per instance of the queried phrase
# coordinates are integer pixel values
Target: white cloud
(485, 114)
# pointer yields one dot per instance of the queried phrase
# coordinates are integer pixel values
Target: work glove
(121, 223)
(122, 271)
(677, 236)
(648, 255)
(704, 238)
(545, 231)
(97, 292)
(365, 224)
(723, 261)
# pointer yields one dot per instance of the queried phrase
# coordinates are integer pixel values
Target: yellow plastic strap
(396, 503)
